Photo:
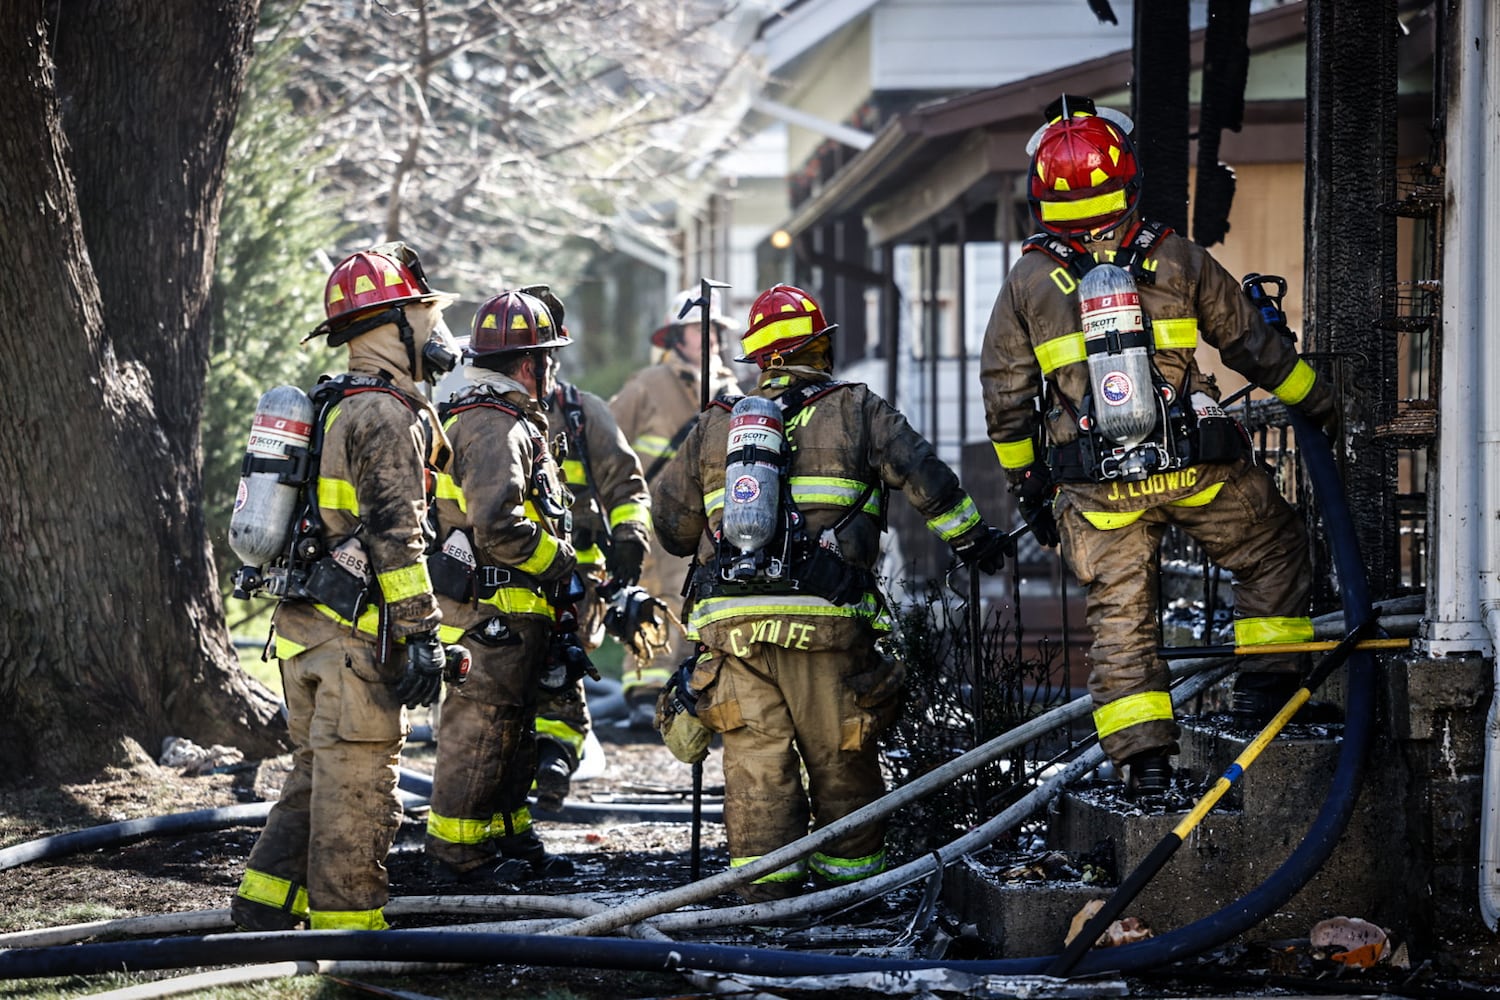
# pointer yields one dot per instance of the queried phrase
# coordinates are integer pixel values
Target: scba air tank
(1119, 355)
(265, 503)
(752, 473)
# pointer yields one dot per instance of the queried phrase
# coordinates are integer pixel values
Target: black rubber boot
(554, 773)
(525, 856)
(769, 892)
(251, 916)
(442, 873)
(1148, 773)
(1259, 696)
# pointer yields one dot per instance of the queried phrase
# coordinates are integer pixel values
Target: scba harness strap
(318, 574)
(1132, 255)
(1189, 431)
(551, 505)
(467, 580)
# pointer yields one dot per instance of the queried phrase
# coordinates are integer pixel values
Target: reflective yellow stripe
(349, 920)
(1132, 710)
(520, 821)
(561, 732)
(450, 633)
(369, 618)
(1295, 387)
(268, 890)
(1257, 631)
(834, 490)
(519, 601)
(1175, 334)
(714, 609)
(447, 488)
(541, 557)
(1015, 454)
(812, 490)
(286, 648)
(476, 831)
(963, 516)
(572, 470)
(848, 869)
(792, 326)
(1106, 520)
(459, 831)
(591, 556)
(399, 584)
(637, 513)
(1202, 498)
(1065, 350)
(793, 872)
(337, 494)
(1083, 208)
(651, 445)
(1070, 348)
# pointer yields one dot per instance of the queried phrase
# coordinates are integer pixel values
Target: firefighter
(361, 639)
(1108, 504)
(611, 529)
(501, 575)
(789, 673)
(655, 407)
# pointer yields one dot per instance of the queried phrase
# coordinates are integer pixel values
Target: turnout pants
(1247, 528)
(486, 757)
(562, 716)
(783, 713)
(322, 853)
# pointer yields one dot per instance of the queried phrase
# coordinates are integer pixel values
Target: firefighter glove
(625, 558)
(677, 718)
(986, 552)
(1034, 491)
(422, 679)
(639, 622)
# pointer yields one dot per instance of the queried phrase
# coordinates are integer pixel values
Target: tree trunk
(112, 157)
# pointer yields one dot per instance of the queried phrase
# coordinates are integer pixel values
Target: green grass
(249, 622)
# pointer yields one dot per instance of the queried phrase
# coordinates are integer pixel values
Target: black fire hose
(440, 944)
(197, 821)
(435, 945)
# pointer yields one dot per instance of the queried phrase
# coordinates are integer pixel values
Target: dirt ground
(616, 857)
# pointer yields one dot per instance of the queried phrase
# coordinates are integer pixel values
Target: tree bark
(111, 166)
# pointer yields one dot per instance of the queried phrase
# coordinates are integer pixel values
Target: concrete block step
(1228, 854)
(1290, 774)
(1015, 919)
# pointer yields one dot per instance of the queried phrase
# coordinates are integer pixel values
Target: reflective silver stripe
(955, 522)
(847, 869)
(791, 873)
(825, 490)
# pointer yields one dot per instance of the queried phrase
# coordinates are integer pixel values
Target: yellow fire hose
(1273, 648)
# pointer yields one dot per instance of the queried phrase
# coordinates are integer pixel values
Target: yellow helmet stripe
(1084, 208)
(784, 329)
